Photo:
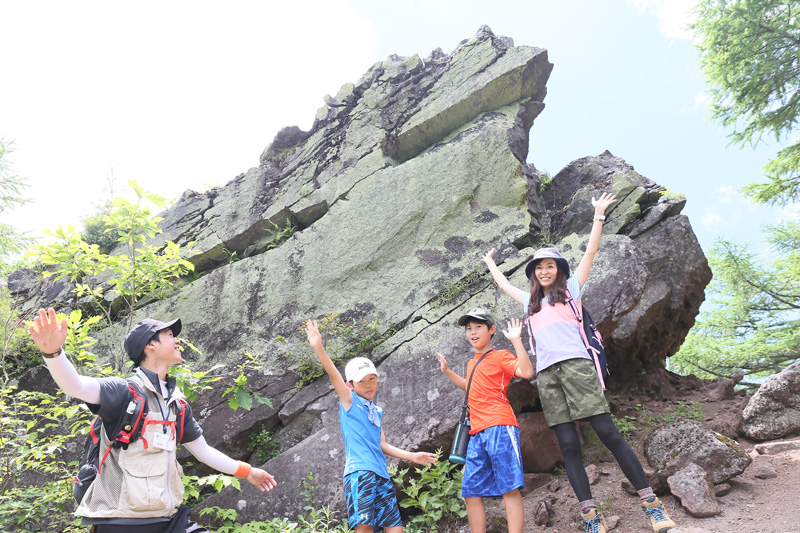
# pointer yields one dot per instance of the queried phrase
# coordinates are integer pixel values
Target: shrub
(97, 230)
(434, 494)
(625, 425)
(264, 445)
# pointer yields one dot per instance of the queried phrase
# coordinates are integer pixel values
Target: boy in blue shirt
(368, 488)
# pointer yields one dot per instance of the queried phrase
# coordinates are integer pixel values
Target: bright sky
(185, 95)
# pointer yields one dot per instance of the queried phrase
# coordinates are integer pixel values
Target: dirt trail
(752, 506)
(761, 500)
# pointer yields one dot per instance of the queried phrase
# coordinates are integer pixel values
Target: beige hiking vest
(138, 482)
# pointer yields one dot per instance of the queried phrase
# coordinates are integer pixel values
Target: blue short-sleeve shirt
(362, 439)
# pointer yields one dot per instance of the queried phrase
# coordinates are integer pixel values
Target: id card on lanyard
(164, 439)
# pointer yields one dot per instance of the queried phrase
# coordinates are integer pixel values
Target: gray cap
(477, 313)
(138, 337)
(546, 253)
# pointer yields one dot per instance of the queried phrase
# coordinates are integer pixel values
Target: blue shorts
(494, 463)
(371, 500)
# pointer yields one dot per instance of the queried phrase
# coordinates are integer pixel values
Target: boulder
(774, 410)
(612, 521)
(673, 447)
(539, 445)
(692, 487)
(535, 481)
(647, 277)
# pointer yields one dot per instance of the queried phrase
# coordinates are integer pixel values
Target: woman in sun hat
(570, 387)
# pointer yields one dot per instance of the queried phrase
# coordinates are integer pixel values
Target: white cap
(357, 368)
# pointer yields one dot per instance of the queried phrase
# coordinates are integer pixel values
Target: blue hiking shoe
(593, 522)
(658, 515)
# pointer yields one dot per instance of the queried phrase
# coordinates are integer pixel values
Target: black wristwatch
(52, 355)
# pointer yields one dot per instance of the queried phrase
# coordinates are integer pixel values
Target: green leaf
(262, 399)
(136, 188)
(244, 399)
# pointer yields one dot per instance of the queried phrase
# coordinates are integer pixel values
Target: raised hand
(600, 205)
(312, 332)
(48, 334)
(514, 330)
(442, 362)
(488, 257)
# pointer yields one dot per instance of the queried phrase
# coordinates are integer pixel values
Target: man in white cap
(139, 488)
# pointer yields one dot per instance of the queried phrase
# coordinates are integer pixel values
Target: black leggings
(609, 435)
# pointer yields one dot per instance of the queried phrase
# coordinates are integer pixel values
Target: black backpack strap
(128, 426)
(91, 446)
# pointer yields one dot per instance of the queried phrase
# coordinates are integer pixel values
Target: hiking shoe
(593, 522)
(658, 515)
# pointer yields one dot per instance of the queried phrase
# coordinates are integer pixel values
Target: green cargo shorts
(570, 390)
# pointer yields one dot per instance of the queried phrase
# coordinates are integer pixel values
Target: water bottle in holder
(458, 453)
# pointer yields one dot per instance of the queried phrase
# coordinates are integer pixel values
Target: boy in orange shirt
(494, 465)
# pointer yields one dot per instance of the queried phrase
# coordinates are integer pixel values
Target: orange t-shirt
(488, 404)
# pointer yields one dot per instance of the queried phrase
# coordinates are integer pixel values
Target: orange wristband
(242, 470)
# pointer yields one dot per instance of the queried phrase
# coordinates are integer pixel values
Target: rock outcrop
(405, 179)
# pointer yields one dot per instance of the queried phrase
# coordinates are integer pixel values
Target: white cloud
(175, 95)
(726, 194)
(673, 15)
(711, 218)
(790, 213)
(700, 104)
(726, 209)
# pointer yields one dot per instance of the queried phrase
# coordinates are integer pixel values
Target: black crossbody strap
(469, 383)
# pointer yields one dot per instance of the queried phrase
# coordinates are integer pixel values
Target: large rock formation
(405, 179)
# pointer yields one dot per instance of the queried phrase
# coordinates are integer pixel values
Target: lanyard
(169, 412)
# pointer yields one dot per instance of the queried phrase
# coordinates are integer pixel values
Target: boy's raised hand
(514, 330)
(312, 332)
(606, 199)
(423, 458)
(442, 362)
(488, 257)
(339, 385)
(460, 382)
